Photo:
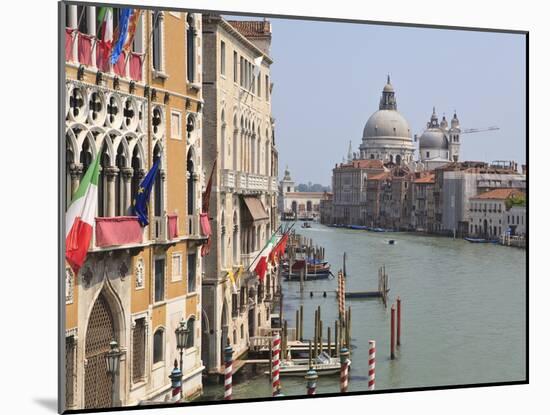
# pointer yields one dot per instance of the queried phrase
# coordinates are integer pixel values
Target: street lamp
(182, 334)
(112, 359)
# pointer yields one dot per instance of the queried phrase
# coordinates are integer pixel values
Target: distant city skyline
(328, 78)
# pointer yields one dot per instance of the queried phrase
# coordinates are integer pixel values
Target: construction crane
(479, 130)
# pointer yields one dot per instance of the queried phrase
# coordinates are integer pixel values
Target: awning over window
(255, 208)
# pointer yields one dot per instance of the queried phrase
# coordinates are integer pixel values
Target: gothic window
(191, 337)
(120, 208)
(102, 186)
(190, 183)
(191, 273)
(158, 183)
(158, 346)
(136, 166)
(234, 305)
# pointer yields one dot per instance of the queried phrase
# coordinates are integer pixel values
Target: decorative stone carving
(123, 270)
(75, 170)
(127, 173)
(139, 273)
(87, 276)
(69, 285)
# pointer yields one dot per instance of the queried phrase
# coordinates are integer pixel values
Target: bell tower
(454, 139)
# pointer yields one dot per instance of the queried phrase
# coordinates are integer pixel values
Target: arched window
(258, 238)
(309, 206)
(157, 41)
(158, 182)
(398, 159)
(190, 183)
(102, 186)
(120, 208)
(372, 156)
(137, 175)
(158, 346)
(191, 47)
(191, 328)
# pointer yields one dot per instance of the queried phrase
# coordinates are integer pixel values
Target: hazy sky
(329, 76)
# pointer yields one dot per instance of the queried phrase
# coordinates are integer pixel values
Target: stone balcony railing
(247, 183)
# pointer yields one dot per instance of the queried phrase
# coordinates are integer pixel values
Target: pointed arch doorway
(100, 332)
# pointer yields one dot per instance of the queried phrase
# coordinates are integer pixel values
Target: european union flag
(141, 201)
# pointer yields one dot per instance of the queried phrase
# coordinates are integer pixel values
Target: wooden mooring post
(398, 321)
(392, 333)
(301, 337)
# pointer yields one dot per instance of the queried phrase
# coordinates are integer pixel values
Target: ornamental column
(111, 173)
(75, 169)
(127, 173)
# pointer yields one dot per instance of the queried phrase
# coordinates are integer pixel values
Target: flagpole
(263, 249)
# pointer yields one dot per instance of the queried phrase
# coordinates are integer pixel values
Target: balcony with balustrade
(247, 183)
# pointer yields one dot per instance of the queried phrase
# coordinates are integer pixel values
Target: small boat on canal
(306, 225)
(481, 240)
(323, 364)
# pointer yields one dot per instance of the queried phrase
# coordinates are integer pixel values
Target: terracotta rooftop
(430, 178)
(499, 194)
(378, 176)
(252, 28)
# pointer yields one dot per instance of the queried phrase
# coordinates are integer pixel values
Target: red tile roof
(499, 194)
(252, 28)
(378, 176)
(430, 178)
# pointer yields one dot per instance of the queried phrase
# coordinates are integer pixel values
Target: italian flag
(79, 219)
(261, 266)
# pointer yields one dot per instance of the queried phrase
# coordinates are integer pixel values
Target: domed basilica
(387, 137)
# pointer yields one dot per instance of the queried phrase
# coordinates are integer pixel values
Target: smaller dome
(388, 88)
(433, 138)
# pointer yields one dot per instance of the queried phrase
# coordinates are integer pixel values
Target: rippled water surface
(463, 316)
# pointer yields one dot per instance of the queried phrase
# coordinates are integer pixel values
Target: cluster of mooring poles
(338, 341)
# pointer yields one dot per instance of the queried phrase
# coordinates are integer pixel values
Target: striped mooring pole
(372, 364)
(276, 361)
(228, 381)
(344, 369)
(311, 377)
(175, 377)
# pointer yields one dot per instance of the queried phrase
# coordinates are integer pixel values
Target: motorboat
(323, 365)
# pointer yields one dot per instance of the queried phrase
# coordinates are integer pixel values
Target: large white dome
(386, 123)
(433, 138)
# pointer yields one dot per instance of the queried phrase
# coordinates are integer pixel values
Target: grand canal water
(463, 316)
